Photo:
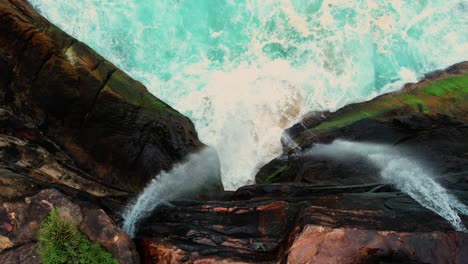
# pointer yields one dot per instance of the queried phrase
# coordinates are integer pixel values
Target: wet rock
(316, 244)
(25, 254)
(231, 231)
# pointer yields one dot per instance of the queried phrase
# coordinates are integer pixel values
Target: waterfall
(199, 171)
(405, 173)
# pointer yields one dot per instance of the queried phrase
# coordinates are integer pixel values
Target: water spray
(405, 173)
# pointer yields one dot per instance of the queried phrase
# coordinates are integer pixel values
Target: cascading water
(196, 173)
(403, 172)
(243, 70)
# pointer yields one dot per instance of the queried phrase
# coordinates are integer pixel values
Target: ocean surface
(243, 70)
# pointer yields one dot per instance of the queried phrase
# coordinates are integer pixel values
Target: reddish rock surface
(316, 244)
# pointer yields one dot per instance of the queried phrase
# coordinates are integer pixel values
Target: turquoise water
(243, 70)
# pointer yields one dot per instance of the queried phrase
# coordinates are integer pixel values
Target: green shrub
(61, 242)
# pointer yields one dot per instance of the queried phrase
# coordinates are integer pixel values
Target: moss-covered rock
(429, 117)
(446, 95)
(124, 88)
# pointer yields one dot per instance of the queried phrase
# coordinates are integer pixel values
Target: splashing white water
(243, 70)
(184, 180)
(403, 172)
(286, 140)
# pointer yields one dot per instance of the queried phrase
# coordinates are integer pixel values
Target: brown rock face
(108, 123)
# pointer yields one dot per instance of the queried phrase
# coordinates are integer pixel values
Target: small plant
(60, 242)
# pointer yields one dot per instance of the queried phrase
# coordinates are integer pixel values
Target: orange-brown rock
(316, 244)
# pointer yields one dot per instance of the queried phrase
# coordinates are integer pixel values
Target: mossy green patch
(349, 118)
(442, 96)
(60, 242)
(135, 93)
(455, 85)
(271, 177)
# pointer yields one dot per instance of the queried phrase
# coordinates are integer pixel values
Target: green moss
(450, 92)
(277, 172)
(443, 87)
(135, 93)
(349, 118)
(60, 242)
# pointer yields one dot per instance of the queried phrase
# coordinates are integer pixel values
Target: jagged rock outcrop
(108, 123)
(314, 209)
(429, 118)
